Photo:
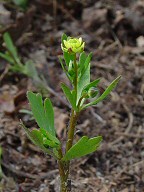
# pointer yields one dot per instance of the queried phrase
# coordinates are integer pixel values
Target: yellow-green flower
(73, 45)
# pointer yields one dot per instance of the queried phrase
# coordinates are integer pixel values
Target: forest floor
(114, 32)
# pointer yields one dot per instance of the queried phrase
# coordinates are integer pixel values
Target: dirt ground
(114, 32)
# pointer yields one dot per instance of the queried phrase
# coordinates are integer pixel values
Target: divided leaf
(105, 93)
(43, 114)
(83, 147)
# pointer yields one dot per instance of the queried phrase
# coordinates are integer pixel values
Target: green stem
(63, 179)
(73, 119)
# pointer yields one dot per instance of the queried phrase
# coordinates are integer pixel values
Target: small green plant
(17, 66)
(82, 94)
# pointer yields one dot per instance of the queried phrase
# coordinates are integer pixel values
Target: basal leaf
(105, 93)
(83, 147)
(42, 115)
(69, 96)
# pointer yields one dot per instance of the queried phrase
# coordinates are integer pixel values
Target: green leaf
(91, 84)
(83, 81)
(7, 58)
(10, 46)
(44, 117)
(36, 137)
(105, 93)
(82, 60)
(64, 37)
(64, 69)
(49, 112)
(69, 96)
(68, 57)
(83, 147)
(87, 62)
(49, 136)
(84, 78)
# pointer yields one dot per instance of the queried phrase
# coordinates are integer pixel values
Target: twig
(4, 73)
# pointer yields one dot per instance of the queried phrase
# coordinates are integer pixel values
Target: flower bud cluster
(73, 45)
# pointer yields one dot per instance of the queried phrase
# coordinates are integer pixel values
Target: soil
(114, 32)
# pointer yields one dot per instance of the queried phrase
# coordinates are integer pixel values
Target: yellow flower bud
(73, 45)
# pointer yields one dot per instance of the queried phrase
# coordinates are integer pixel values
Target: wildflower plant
(76, 65)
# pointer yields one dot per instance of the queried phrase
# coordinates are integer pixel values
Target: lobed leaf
(43, 114)
(83, 147)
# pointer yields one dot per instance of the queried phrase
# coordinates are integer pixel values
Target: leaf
(44, 117)
(64, 37)
(7, 57)
(92, 84)
(36, 137)
(83, 147)
(49, 136)
(10, 46)
(86, 63)
(105, 93)
(82, 60)
(83, 81)
(69, 96)
(68, 57)
(64, 69)
(49, 112)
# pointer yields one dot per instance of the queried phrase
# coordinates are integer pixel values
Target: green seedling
(12, 57)
(76, 65)
(17, 66)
